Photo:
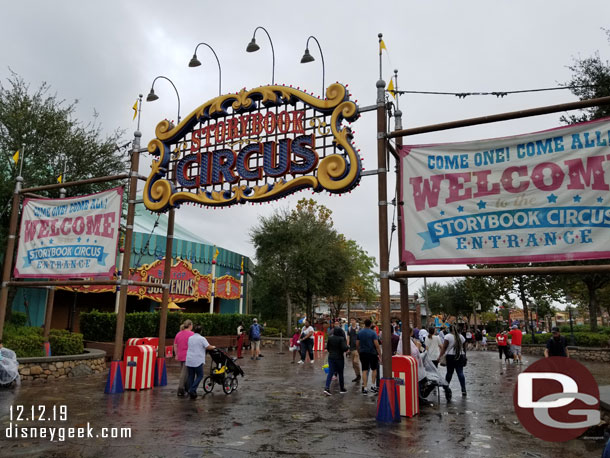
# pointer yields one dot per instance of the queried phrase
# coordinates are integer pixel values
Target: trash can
(404, 369)
(139, 367)
(136, 341)
(318, 341)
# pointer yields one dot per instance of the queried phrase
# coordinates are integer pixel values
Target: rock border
(42, 370)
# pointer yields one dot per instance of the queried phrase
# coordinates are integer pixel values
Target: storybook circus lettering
(536, 197)
(74, 237)
(255, 146)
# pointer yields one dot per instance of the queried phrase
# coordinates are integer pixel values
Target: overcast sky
(106, 53)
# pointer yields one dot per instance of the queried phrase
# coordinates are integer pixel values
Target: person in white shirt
(433, 346)
(455, 350)
(195, 359)
(306, 341)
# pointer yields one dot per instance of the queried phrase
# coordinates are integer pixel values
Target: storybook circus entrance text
(263, 144)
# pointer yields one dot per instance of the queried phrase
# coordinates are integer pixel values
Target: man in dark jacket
(336, 346)
(557, 345)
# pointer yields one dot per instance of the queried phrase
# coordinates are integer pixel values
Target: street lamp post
(253, 47)
(151, 97)
(194, 62)
(569, 299)
(572, 342)
(307, 57)
(534, 324)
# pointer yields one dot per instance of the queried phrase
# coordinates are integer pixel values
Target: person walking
(455, 351)
(468, 338)
(556, 345)
(336, 346)
(241, 335)
(367, 345)
(434, 346)
(180, 349)
(502, 343)
(352, 337)
(478, 338)
(306, 342)
(295, 344)
(255, 332)
(195, 359)
(515, 344)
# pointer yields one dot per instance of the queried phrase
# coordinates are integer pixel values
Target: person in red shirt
(180, 350)
(515, 346)
(502, 342)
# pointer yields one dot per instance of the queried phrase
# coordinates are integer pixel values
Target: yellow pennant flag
(60, 178)
(135, 109)
(382, 46)
(391, 88)
(216, 253)
(16, 157)
(242, 264)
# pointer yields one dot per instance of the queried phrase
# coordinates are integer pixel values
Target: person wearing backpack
(255, 339)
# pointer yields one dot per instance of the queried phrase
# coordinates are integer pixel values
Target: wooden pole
(131, 210)
(10, 251)
(384, 261)
(404, 286)
(50, 298)
(501, 117)
(501, 271)
(167, 275)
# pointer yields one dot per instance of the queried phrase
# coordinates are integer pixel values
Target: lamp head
(194, 62)
(151, 97)
(252, 46)
(307, 57)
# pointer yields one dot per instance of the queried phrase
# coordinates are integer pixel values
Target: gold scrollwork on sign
(335, 172)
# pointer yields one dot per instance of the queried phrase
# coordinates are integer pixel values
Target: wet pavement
(280, 409)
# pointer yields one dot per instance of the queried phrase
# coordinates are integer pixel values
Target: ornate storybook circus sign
(530, 198)
(186, 283)
(255, 146)
(70, 237)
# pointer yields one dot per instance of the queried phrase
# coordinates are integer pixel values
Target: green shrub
(101, 326)
(25, 341)
(65, 342)
(98, 326)
(565, 329)
(581, 339)
(271, 332)
(18, 319)
(280, 325)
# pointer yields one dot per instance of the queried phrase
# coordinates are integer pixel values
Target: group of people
(362, 345)
(190, 349)
(509, 344)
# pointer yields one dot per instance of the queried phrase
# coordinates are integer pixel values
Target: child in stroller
(433, 379)
(9, 368)
(224, 371)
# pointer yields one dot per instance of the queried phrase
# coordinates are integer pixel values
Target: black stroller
(433, 380)
(224, 371)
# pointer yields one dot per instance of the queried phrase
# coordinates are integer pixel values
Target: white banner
(71, 237)
(537, 197)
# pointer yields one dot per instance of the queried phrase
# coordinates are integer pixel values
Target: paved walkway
(279, 409)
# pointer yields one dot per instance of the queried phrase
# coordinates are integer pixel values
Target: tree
(361, 279)
(538, 290)
(46, 127)
(590, 79)
(299, 256)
